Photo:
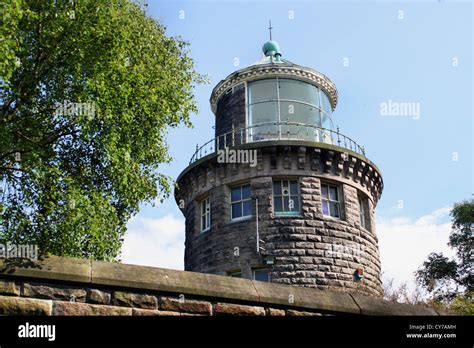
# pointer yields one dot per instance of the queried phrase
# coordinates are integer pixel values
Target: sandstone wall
(67, 286)
(310, 250)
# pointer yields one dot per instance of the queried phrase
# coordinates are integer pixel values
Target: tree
(451, 280)
(402, 293)
(88, 91)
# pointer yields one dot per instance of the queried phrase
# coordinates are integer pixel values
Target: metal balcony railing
(276, 131)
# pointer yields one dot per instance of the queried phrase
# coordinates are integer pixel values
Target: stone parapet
(42, 287)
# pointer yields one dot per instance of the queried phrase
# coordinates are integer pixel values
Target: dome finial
(271, 48)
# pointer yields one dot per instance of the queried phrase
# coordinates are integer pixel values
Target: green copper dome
(270, 48)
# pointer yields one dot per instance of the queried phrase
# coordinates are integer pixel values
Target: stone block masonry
(309, 250)
(57, 286)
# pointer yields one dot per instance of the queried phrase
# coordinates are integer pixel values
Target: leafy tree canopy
(444, 278)
(88, 90)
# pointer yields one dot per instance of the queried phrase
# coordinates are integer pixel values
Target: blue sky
(402, 51)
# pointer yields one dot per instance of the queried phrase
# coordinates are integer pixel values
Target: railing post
(318, 134)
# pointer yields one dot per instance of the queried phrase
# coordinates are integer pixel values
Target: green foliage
(89, 90)
(461, 304)
(11, 13)
(450, 281)
(436, 274)
(461, 239)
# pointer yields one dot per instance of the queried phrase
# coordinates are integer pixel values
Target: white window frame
(286, 213)
(241, 202)
(337, 202)
(362, 216)
(205, 207)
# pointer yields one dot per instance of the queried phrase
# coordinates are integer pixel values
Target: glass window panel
(263, 113)
(296, 203)
(236, 194)
(247, 208)
(326, 121)
(278, 204)
(277, 188)
(334, 209)
(300, 113)
(261, 275)
(236, 210)
(362, 213)
(325, 208)
(205, 214)
(326, 105)
(326, 137)
(286, 202)
(293, 187)
(267, 132)
(246, 191)
(333, 193)
(262, 90)
(298, 90)
(324, 189)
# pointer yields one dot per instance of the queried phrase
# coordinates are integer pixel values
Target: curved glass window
(262, 91)
(273, 102)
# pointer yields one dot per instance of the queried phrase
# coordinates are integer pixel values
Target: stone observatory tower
(279, 194)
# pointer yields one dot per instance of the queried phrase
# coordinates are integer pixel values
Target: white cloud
(155, 242)
(405, 243)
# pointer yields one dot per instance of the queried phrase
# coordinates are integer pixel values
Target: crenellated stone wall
(310, 250)
(60, 286)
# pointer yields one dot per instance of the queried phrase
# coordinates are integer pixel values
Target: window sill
(332, 218)
(279, 215)
(205, 231)
(240, 219)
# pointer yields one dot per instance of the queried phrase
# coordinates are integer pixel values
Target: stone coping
(117, 275)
